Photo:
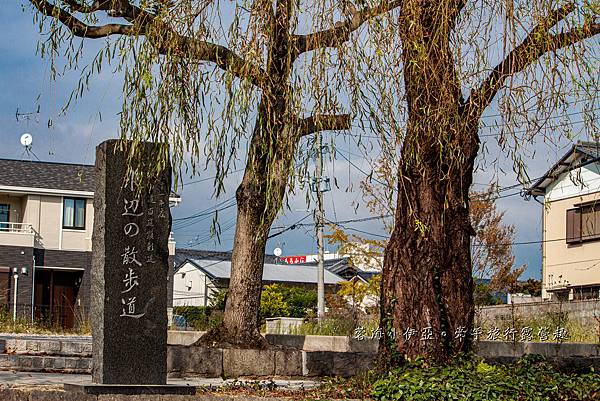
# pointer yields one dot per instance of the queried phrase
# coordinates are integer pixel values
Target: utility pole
(319, 222)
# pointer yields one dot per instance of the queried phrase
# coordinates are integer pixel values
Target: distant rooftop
(221, 269)
(183, 254)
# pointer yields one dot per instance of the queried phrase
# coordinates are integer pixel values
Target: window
(4, 216)
(583, 223)
(74, 213)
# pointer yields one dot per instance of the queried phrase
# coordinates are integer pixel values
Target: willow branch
(324, 122)
(537, 43)
(163, 37)
(79, 28)
(98, 5)
(341, 31)
(200, 50)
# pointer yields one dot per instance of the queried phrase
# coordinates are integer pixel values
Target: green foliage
(200, 317)
(530, 378)
(531, 286)
(483, 295)
(355, 291)
(272, 303)
(219, 299)
(279, 301)
(301, 302)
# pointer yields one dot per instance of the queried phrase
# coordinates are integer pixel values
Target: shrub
(199, 317)
(301, 302)
(530, 378)
(218, 300)
(272, 303)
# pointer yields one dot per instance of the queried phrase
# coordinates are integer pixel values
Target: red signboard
(292, 260)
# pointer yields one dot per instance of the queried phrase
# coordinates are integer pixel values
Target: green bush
(279, 301)
(218, 300)
(199, 317)
(272, 303)
(301, 302)
(530, 378)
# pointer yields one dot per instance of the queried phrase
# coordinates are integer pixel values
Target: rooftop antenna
(27, 141)
(27, 138)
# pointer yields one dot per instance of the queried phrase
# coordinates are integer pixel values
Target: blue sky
(72, 138)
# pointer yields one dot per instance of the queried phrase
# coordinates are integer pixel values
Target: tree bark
(427, 284)
(259, 198)
(427, 303)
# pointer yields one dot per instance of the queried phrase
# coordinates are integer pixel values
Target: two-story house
(46, 223)
(571, 224)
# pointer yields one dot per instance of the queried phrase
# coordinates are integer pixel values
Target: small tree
(492, 244)
(272, 303)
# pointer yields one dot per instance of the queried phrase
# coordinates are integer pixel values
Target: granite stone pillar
(130, 256)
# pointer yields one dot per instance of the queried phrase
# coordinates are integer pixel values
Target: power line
(491, 126)
(208, 178)
(209, 210)
(292, 227)
(357, 230)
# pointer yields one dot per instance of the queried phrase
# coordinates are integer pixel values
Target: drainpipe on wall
(16, 276)
(33, 291)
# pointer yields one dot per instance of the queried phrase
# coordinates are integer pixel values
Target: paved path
(29, 379)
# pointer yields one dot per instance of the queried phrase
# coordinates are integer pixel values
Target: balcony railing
(23, 228)
(17, 234)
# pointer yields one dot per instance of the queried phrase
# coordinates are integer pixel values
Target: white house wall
(190, 287)
(581, 181)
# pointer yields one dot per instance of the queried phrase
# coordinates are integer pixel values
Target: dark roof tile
(47, 175)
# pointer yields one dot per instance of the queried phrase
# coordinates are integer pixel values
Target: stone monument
(132, 223)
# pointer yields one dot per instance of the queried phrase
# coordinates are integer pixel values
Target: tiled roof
(581, 153)
(47, 175)
(221, 269)
(182, 254)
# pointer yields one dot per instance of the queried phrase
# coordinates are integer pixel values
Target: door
(64, 306)
(55, 296)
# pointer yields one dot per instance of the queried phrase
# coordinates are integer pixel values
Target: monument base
(129, 389)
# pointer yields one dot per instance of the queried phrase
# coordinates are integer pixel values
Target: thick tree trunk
(260, 195)
(427, 283)
(259, 198)
(427, 306)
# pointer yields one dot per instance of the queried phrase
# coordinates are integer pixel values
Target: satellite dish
(26, 140)
(277, 252)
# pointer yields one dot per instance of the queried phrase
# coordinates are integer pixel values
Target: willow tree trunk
(259, 197)
(427, 302)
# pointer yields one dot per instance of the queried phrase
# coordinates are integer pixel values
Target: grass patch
(24, 326)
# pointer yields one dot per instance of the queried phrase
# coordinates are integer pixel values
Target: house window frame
(4, 225)
(74, 226)
(575, 219)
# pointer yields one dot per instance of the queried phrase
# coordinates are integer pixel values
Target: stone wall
(297, 356)
(581, 311)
